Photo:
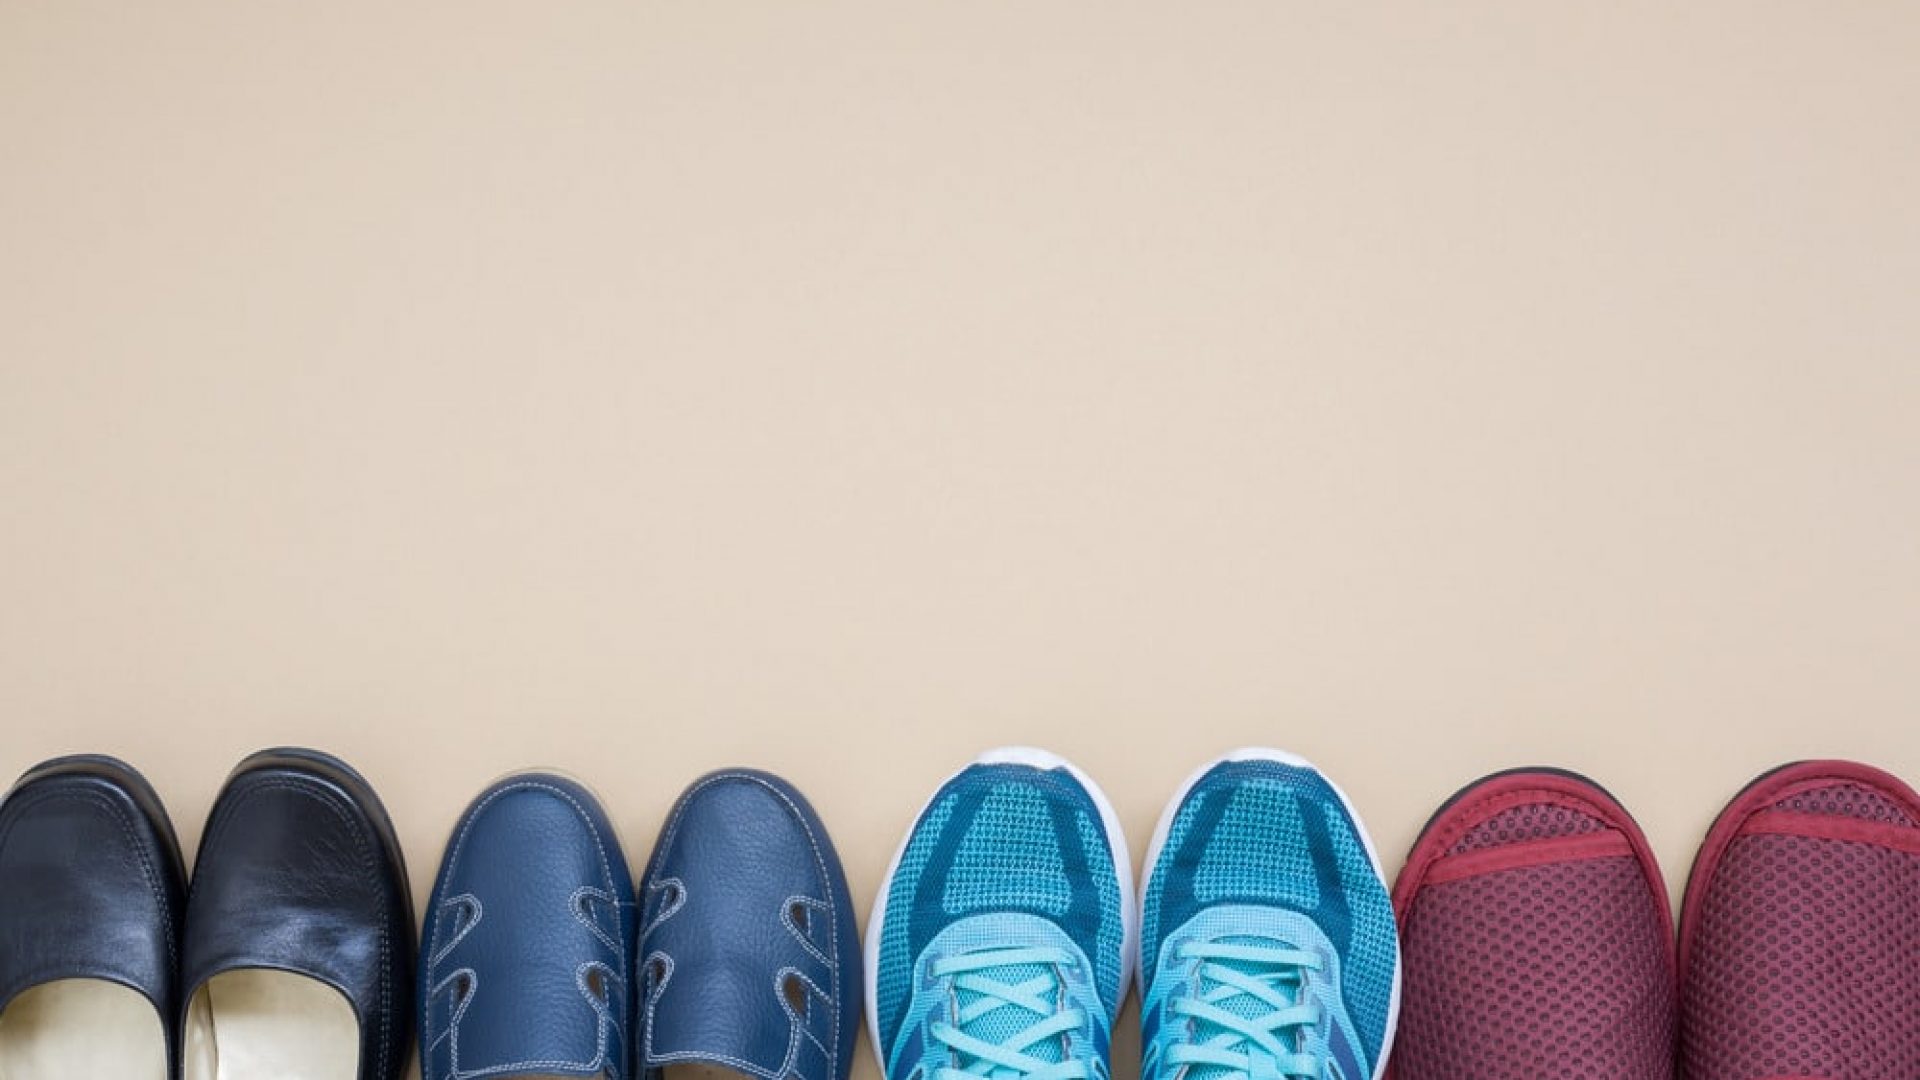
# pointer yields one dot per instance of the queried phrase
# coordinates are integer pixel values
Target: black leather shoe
(91, 896)
(298, 960)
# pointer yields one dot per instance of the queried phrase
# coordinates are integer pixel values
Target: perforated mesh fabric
(1373, 949)
(893, 982)
(1528, 821)
(1551, 972)
(1268, 833)
(1151, 906)
(1112, 936)
(1012, 830)
(992, 842)
(1806, 960)
(1848, 800)
(1259, 849)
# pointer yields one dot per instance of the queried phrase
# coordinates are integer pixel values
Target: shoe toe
(750, 952)
(90, 881)
(1016, 839)
(299, 872)
(1807, 890)
(1536, 939)
(526, 966)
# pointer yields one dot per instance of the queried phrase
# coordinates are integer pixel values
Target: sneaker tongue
(1245, 1006)
(1002, 1024)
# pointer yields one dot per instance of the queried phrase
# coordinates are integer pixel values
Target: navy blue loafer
(297, 962)
(91, 897)
(749, 959)
(529, 937)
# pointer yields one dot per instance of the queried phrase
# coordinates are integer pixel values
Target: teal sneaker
(1268, 948)
(1002, 942)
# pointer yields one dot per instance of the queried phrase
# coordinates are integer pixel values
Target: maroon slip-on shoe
(1800, 937)
(1537, 939)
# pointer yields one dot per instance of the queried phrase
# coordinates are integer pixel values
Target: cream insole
(81, 1029)
(257, 1024)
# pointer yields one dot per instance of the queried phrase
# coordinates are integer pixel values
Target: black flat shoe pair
(290, 958)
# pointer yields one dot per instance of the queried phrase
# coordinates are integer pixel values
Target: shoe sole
(1281, 757)
(1116, 844)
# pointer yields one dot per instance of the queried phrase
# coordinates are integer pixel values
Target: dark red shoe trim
(1559, 849)
(1904, 838)
(1484, 798)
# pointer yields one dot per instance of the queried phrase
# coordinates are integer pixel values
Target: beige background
(842, 388)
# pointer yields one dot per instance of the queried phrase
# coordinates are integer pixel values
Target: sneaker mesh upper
(1274, 834)
(1013, 828)
(1259, 848)
(1001, 838)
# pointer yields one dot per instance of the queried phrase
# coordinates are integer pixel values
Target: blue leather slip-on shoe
(749, 957)
(1003, 939)
(524, 969)
(91, 901)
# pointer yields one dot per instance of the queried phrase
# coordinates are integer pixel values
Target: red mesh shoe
(1537, 939)
(1800, 939)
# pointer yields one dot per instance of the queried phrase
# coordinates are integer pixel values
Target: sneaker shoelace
(1252, 1018)
(1011, 1023)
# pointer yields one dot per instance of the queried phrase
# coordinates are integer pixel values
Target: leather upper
(529, 939)
(749, 957)
(91, 884)
(299, 871)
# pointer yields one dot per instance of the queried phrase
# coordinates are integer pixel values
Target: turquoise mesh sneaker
(1003, 939)
(1268, 949)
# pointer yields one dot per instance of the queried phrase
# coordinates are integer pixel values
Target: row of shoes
(1539, 940)
(289, 956)
(1529, 935)
(294, 954)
